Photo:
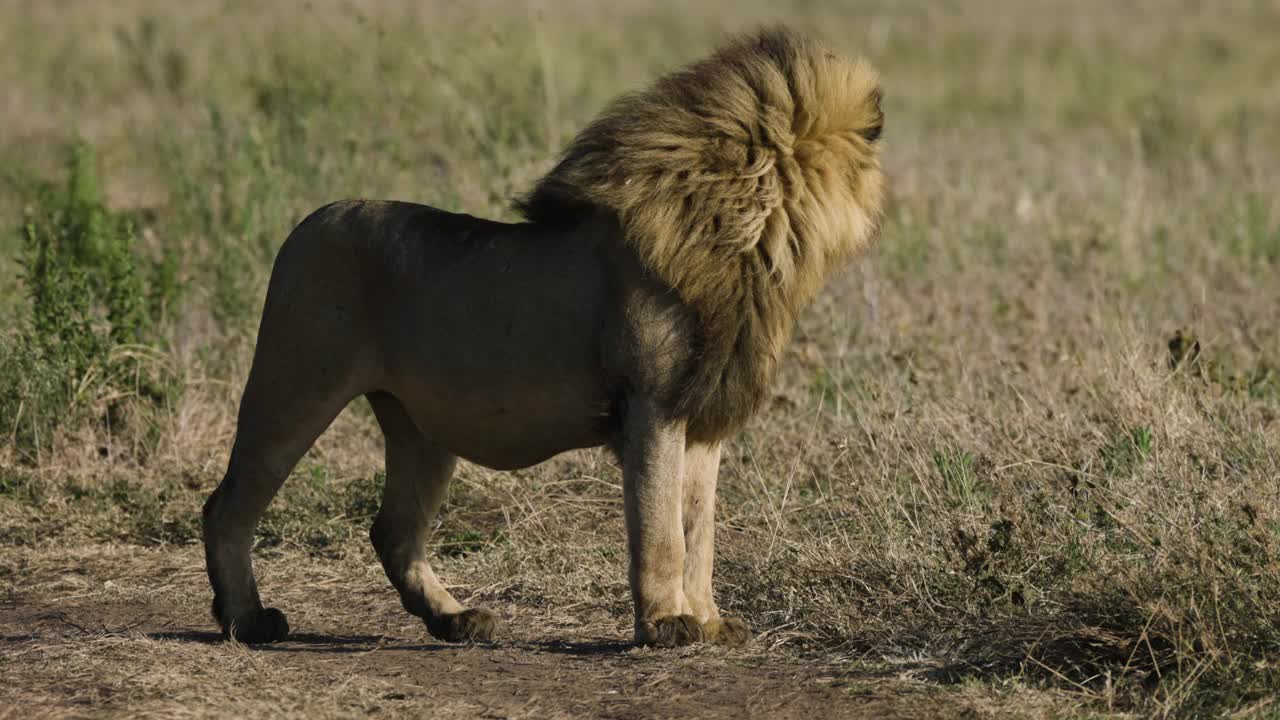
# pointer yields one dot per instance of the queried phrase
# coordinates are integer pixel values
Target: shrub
(85, 346)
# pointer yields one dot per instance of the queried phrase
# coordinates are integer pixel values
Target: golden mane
(742, 181)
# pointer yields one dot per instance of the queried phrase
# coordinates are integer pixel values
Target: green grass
(1032, 441)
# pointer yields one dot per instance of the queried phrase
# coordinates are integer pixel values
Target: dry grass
(987, 482)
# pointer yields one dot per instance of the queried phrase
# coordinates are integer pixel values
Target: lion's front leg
(701, 466)
(652, 469)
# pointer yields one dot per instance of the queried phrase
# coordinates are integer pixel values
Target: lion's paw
(727, 631)
(670, 631)
(266, 625)
(474, 625)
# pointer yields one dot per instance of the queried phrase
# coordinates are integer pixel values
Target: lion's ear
(871, 133)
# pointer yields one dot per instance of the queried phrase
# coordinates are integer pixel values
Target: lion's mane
(741, 181)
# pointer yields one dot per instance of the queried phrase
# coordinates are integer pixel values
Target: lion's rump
(741, 181)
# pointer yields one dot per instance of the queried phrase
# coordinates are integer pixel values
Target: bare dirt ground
(123, 631)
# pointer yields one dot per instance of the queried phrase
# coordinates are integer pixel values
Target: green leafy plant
(92, 315)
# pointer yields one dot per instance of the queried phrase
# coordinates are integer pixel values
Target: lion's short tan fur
(645, 305)
(743, 181)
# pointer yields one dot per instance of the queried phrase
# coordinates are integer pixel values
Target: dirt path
(124, 632)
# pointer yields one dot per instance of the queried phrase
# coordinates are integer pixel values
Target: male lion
(644, 305)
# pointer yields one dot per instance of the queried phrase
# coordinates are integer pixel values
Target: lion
(643, 304)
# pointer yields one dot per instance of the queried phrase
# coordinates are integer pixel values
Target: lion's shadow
(300, 642)
(579, 647)
(347, 644)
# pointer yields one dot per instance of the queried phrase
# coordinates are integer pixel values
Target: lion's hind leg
(279, 420)
(418, 474)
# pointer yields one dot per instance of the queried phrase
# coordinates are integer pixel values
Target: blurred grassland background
(1032, 440)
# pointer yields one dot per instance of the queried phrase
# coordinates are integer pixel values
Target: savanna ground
(1024, 459)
